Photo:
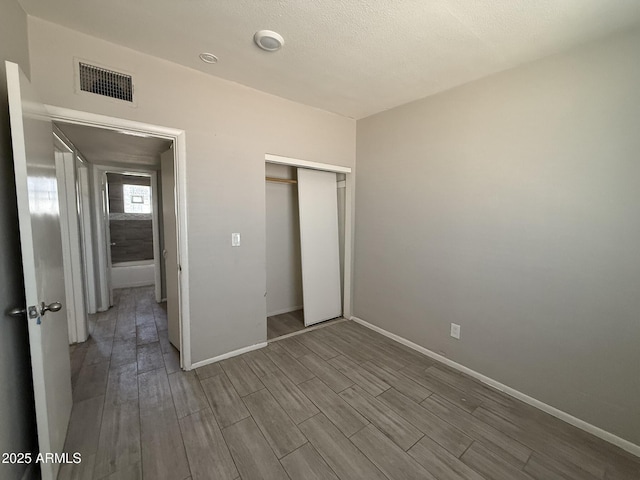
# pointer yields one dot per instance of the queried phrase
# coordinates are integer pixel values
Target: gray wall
(229, 128)
(511, 206)
(284, 263)
(17, 423)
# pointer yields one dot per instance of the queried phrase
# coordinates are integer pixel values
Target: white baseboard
(564, 416)
(284, 310)
(224, 356)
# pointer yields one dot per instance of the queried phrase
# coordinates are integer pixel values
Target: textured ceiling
(352, 57)
(109, 147)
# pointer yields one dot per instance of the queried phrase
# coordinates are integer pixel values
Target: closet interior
(305, 214)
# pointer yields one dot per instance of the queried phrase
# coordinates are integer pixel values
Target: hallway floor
(339, 402)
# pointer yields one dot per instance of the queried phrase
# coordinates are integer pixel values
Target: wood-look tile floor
(339, 402)
(284, 324)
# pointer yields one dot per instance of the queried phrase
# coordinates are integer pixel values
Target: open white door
(318, 205)
(170, 253)
(39, 219)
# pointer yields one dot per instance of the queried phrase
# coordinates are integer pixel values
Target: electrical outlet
(455, 331)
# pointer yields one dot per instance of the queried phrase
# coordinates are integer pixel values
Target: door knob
(52, 307)
(17, 312)
(35, 311)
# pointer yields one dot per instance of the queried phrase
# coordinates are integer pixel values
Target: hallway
(111, 425)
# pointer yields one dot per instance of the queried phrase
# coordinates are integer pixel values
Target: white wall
(229, 128)
(17, 415)
(511, 206)
(284, 266)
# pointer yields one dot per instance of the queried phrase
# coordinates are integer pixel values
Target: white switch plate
(455, 330)
(235, 239)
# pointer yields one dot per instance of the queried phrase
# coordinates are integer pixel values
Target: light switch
(235, 239)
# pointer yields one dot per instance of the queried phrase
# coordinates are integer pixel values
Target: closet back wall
(284, 269)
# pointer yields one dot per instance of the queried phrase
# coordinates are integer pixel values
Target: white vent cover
(101, 81)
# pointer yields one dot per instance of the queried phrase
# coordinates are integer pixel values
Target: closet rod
(280, 180)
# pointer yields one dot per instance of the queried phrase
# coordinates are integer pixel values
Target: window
(137, 198)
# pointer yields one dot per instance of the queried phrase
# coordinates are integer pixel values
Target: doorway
(308, 266)
(169, 210)
(127, 210)
(133, 236)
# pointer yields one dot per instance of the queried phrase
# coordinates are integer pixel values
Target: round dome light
(268, 40)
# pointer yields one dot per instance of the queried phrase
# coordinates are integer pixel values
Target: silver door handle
(113, 244)
(17, 312)
(52, 307)
(35, 311)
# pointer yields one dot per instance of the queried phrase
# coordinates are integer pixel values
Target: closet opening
(305, 245)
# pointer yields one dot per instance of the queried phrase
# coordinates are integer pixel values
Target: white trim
(66, 191)
(100, 213)
(180, 178)
(76, 117)
(86, 237)
(233, 353)
(71, 223)
(285, 310)
(564, 416)
(155, 223)
(61, 141)
(178, 137)
(305, 164)
(348, 245)
(66, 243)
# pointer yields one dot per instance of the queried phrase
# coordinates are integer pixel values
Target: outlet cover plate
(455, 331)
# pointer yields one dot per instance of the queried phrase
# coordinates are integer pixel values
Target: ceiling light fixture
(208, 58)
(268, 40)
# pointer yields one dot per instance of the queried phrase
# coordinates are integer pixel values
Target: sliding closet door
(318, 204)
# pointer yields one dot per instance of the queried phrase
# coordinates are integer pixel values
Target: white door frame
(101, 179)
(70, 230)
(65, 115)
(82, 200)
(348, 217)
(100, 212)
(86, 233)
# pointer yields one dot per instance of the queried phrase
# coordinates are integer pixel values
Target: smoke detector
(268, 40)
